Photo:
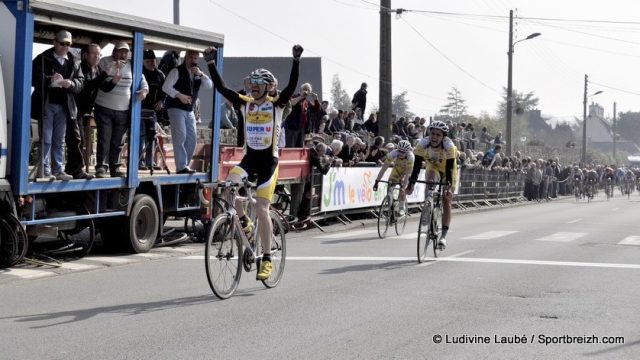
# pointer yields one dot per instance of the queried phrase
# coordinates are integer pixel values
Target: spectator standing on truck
(93, 77)
(152, 107)
(112, 109)
(182, 86)
(56, 78)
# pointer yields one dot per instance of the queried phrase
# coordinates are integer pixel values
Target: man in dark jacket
(181, 86)
(360, 98)
(152, 107)
(297, 123)
(56, 77)
(93, 78)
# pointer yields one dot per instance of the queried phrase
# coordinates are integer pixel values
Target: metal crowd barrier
(478, 188)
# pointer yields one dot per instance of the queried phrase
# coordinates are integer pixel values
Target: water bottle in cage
(395, 193)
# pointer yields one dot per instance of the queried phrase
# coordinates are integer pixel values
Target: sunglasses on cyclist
(257, 81)
(65, 43)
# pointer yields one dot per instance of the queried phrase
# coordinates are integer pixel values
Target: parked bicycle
(228, 249)
(430, 220)
(390, 212)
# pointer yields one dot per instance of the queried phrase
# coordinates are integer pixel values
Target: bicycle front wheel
(423, 233)
(434, 231)
(401, 221)
(384, 217)
(222, 257)
(278, 250)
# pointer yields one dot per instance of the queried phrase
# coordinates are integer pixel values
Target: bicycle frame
(434, 192)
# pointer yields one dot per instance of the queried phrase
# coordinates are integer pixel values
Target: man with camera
(297, 123)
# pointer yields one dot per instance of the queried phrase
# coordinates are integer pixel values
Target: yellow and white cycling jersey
(262, 124)
(401, 167)
(436, 158)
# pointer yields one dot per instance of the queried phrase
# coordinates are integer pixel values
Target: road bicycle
(576, 190)
(429, 227)
(228, 249)
(589, 190)
(389, 211)
(608, 188)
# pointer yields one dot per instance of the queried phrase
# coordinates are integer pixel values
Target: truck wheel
(144, 222)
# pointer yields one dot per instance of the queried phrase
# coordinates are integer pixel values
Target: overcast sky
(432, 52)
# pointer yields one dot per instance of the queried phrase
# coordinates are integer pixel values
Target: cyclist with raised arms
(263, 121)
(402, 160)
(439, 155)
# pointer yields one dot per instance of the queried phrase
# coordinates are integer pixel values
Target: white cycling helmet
(404, 146)
(440, 126)
(262, 76)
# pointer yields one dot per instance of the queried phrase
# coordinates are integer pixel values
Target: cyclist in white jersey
(262, 125)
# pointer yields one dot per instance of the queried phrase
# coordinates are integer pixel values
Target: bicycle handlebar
(224, 184)
(432, 182)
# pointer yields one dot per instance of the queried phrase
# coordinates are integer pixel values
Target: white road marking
(27, 273)
(453, 258)
(563, 236)
(406, 236)
(77, 266)
(574, 221)
(150, 255)
(543, 262)
(489, 235)
(433, 261)
(346, 234)
(108, 260)
(630, 240)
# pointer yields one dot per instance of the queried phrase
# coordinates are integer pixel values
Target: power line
(448, 58)
(318, 54)
(614, 88)
(584, 33)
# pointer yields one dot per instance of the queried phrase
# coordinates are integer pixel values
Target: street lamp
(584, 119)
(509, 78)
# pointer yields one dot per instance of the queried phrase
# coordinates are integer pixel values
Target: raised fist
(297, 51)
(210, 54)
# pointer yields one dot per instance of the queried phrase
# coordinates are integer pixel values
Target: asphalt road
(562, 276)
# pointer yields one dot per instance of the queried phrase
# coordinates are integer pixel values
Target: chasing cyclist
(439, 155)
(263, 121)
(578, 179)
(402, 160)
(590, 180)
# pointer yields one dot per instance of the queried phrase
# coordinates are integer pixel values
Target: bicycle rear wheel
(423, 233)
(222, 257)
(384, 217)
(278, 250)
(401, 221)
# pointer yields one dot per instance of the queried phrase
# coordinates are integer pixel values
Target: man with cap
(182, 86)
(56, 77)
(112, 108)
(152, 107)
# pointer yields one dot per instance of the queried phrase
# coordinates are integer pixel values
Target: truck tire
(144, 224)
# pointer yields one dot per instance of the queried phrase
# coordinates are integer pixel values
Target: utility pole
(176, 12)
(384, 117)
(584, 122)
(509, 85)
(614, 132)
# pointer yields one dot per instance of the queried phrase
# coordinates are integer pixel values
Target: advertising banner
(352, 188)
